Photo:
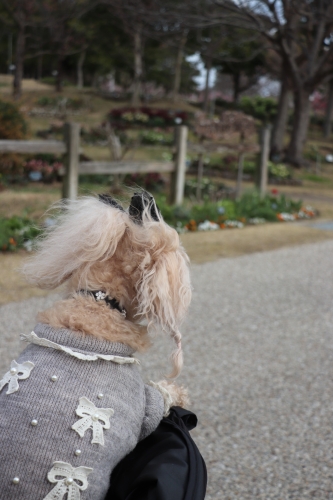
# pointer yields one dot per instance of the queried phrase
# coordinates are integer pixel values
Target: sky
(201, 79)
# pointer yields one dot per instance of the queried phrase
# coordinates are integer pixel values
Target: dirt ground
(12, 284)
(208, 246)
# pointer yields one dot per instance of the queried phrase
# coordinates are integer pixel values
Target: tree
(135, 16)
(66, 34)
(300, 32)
(241, 56)
(21, 15)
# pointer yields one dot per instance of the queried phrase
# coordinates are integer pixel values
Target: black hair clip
(139, 202)
(108, 200)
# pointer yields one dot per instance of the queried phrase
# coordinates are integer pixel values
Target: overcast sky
(201, 79)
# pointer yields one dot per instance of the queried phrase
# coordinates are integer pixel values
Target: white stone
(34, 422)
(16, 480)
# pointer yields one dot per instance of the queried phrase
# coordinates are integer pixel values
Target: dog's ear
(108, 200)
(86, 232)
(142, 204)
(164, 288)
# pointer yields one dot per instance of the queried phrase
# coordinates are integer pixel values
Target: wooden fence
(70, 148)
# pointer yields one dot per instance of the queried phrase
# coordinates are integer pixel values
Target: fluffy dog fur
(95, 246)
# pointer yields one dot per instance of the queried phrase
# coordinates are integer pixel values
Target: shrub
(149, 117)
(154, 137)
(17, 232)
(207, 187)
(12, 126)
(249, 167)
(262, 108)
(252, 205)
(279, 170)
(12, 122)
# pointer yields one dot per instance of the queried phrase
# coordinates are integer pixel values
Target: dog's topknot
(143, 201)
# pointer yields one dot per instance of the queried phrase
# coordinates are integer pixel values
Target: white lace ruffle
(34, 339)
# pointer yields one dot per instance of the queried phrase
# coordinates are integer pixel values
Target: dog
(74, 404)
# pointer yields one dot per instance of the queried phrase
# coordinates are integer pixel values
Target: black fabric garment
(167, 465)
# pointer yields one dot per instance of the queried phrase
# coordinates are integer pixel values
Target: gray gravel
(258, 355)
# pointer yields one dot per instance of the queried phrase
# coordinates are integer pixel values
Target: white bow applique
(91, 417)
(17, 372)
(69, 480)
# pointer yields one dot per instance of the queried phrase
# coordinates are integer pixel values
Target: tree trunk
(178, 69)
(10, 53)
(236, 89)
(300, 126)
(329, 111)
(281, 119)
(59, 77)
(39, 67)
(206, 98)
(19, 58)
(138, 49)
(80, 62)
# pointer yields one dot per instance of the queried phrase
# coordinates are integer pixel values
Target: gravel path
(259, 350)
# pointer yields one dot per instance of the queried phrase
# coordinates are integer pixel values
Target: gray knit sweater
(66, 422)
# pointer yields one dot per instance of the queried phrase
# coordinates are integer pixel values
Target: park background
(250, 84)
(131, 72)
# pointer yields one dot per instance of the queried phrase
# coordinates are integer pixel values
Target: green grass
(316, 178)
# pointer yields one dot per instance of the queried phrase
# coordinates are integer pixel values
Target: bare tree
(300, 31)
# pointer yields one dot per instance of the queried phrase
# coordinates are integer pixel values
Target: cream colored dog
(133, 257)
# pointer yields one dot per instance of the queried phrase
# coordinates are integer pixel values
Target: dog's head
(132, 255)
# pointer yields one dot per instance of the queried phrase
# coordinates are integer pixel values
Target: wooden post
(178, 180)
(200, 175)
(240, 174)
(71, 179)
(265, 135)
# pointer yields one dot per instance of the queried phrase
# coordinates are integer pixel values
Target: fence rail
(34, 147)
(124, 167)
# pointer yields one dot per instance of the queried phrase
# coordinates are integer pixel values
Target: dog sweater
(71, 407)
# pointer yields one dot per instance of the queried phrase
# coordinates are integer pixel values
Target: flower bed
(250, 209)
(42, 170)
(20, 232)
(144, 116)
